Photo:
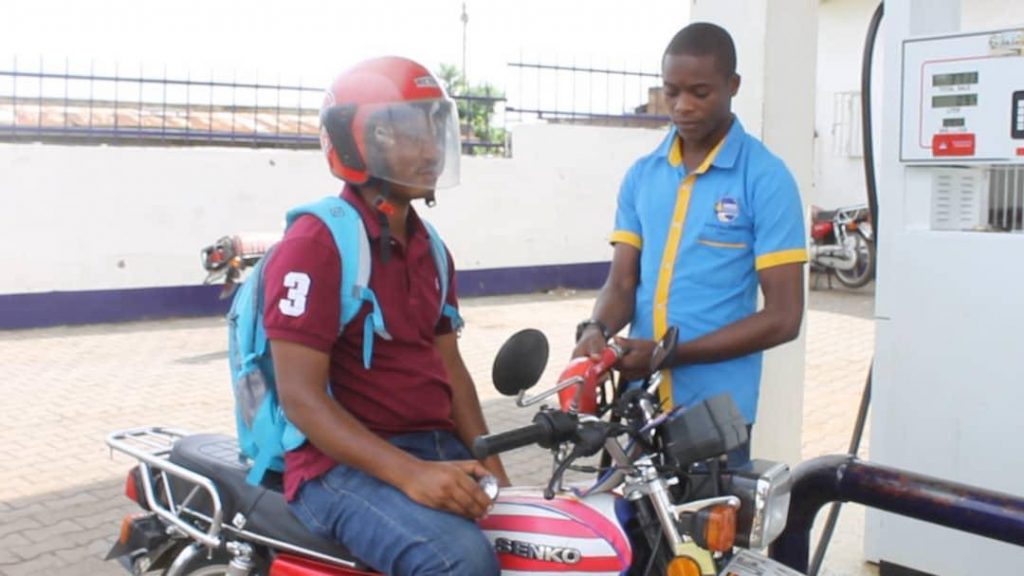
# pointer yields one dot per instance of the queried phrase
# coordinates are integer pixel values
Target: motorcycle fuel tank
(566, 535)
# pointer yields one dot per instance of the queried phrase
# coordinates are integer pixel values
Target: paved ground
(66, 388)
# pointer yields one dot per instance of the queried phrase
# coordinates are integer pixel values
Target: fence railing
(586, 94)
(146, 108)
(77, 108)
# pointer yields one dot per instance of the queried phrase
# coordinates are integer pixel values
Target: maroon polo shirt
(406, 388)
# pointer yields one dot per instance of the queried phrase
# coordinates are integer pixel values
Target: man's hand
(591, 344)
(635, 362)
(449, 486)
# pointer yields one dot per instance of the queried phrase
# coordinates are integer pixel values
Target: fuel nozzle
(581, 398)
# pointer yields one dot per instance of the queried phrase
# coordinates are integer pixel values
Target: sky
(311, 40)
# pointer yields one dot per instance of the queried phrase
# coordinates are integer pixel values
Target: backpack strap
(277, 435)
(437, 249)
(268, 438)
(349, 233)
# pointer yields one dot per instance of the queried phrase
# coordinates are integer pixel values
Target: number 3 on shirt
(294, 303)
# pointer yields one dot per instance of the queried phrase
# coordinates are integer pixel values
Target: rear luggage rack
(151, 446)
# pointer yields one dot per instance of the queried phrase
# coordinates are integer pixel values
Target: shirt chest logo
(727, 209)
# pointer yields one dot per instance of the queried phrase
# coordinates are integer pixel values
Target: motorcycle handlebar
(549, 428)
(491, 444)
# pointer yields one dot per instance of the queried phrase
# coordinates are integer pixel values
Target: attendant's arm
(778, 322)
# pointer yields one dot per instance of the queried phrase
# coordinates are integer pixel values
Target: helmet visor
(413, 144)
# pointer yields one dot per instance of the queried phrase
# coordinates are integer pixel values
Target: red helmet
(389, 118)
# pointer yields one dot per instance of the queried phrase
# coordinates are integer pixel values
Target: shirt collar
(671, 147)
(369, 215)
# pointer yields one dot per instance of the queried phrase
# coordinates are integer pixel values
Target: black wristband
(587, 323)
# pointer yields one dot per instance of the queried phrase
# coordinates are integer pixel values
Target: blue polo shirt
(703, 236)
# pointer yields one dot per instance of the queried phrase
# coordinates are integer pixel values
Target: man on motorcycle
(701, 222)
(385, 470)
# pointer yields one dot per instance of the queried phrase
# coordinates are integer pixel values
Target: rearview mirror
(520, 362)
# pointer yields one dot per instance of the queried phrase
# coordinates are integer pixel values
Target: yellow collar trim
(675, 154)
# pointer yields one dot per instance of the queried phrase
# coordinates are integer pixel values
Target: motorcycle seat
(266, 513)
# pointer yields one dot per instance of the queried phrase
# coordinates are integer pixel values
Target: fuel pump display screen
(954, 100)
(955, 79)
(962, 98)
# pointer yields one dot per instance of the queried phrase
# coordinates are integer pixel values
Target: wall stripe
(42, 309)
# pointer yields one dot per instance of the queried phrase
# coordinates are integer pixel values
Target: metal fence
(120, 106)
(74, 107)
(585, 94)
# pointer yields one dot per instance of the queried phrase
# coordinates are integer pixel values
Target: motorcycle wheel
(864, 270)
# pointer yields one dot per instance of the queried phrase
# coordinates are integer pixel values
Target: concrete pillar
(776, 57)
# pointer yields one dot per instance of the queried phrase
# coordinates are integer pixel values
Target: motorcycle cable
(867, 137)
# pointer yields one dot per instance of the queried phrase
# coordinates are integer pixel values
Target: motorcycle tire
(864, 271)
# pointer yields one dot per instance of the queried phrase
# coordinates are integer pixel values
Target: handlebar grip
(491, 444)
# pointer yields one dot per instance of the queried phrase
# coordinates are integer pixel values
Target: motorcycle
(228, 257)
(843, 244)
(664, 501)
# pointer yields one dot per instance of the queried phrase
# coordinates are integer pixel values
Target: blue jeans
(386, 530)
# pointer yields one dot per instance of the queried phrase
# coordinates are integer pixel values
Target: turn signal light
(719, 528)
(126, 529)
(683, 566)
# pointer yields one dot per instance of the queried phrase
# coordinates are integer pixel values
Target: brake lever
(588, 441)
(556, 477)
(665, 351)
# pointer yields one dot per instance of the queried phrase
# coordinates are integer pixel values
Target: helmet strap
(430, 200)
(384, 209)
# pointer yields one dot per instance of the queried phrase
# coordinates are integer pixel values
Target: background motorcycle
(663, 505)
(229, 256)
(843, 244)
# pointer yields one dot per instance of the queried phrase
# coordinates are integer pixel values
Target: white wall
(843, 26)
(86, 218)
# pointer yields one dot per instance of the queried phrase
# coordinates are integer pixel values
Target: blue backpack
(264, 433)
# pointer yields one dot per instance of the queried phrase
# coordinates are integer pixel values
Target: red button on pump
(959, 144)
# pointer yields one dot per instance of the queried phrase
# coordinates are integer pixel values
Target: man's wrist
(582, 327)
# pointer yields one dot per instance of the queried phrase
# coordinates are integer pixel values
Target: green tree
(476, 111)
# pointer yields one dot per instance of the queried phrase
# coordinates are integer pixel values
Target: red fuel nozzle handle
(582, 397)
(609, 356)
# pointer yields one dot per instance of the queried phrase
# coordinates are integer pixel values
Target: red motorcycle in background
(843, 245)
(227, 258)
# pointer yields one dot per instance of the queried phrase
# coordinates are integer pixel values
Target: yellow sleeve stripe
(625, 237)
(781, 257)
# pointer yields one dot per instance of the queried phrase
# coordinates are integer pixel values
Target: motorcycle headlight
(763, 489)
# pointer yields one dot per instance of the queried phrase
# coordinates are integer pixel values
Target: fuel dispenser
(948, 388)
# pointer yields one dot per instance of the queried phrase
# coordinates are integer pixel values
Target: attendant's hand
(591, 343)
(635, 363)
